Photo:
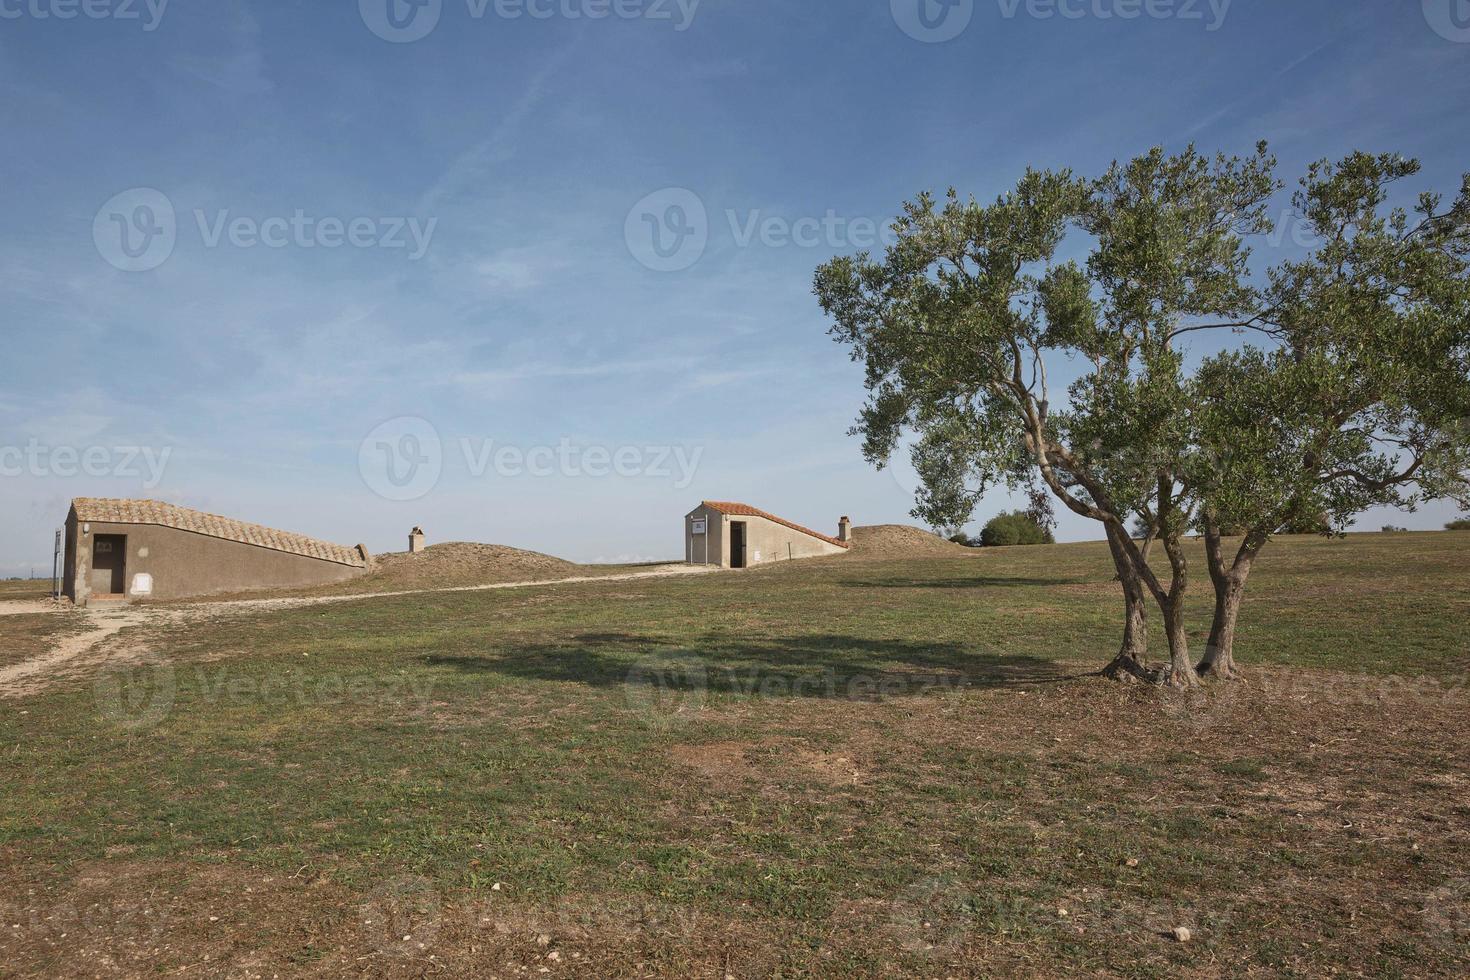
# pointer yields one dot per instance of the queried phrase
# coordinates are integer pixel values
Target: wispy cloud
(240, 67)
(470, 169)
(531, 371)
(516, 269)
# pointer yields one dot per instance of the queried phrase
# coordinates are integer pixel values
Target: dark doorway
(737, 544)
(109, 564)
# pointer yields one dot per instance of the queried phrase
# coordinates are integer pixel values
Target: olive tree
(1360, 393)
(971, 311)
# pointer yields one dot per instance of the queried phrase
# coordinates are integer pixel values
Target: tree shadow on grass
(964, 582)
(822, 665)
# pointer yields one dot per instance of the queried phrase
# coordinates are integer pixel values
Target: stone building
(118, 550)
(733, 535)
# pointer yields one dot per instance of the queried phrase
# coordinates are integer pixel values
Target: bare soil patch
(773, 760)
(27, 607)
(721, 762)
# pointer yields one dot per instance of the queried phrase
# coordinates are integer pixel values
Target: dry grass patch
(29, 635)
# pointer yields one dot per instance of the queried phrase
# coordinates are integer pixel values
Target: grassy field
(822, 769)
(24, 588)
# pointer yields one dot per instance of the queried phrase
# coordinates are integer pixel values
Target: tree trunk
(1219, 658)
(1131, 663)
(1181, 670)
(1229, 582)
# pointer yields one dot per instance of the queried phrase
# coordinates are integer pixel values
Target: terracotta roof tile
(732, 509)
(108, 511)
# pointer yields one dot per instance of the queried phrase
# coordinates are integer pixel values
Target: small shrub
(961, 538)
(1006, 530)
(1390, 529)
(1463, 524)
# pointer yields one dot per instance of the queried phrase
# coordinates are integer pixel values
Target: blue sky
(284, 340)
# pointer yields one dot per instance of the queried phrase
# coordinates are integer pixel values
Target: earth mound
(462, 563)
(886, 542)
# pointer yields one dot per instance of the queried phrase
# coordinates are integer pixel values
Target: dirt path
(663, 571)
(32, 675)
(84, 650)
(25, 607)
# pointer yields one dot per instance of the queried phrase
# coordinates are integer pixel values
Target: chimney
(416, 541)
(844, 529)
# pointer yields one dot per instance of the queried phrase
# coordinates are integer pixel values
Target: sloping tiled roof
(104, 511)
(731, 509)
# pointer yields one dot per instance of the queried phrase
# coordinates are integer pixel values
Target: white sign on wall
(701, 526)
(142, 584)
